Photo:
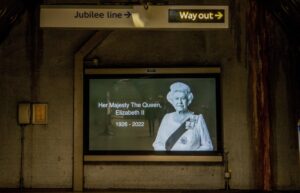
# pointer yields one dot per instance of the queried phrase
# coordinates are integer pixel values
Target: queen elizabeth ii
(182, 130)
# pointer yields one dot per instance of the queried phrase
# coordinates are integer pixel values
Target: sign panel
(154, 17)
(196, 15)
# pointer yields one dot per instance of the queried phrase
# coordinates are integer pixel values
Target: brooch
(183, 140)
(190, 124)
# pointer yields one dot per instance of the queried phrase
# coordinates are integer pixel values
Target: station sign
(151, 17)
(196, 15)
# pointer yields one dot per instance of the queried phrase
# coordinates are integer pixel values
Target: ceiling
(10, 10)
(287, 12)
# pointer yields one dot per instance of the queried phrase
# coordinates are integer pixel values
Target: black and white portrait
(182, 130)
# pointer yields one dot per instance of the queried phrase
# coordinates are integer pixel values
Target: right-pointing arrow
(128, 14)
(219, 15)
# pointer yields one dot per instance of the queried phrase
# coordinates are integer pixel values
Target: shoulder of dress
(200, 115)
(197, 117)
(167, 115)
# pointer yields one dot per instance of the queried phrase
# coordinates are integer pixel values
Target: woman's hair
(180, 87)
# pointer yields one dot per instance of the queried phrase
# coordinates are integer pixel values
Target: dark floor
(142, 191)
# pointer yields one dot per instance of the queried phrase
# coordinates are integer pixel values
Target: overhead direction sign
(154, 17)
(196, 15)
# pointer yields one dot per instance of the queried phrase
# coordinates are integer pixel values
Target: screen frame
(153, 156)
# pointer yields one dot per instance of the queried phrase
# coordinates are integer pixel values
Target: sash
(175, 136)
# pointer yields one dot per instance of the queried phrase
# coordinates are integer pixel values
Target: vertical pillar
(78, 157)
(257, 42)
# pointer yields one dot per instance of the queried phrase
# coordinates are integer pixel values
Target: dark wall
(49, 148)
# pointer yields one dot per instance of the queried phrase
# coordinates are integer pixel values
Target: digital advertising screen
(152, 114)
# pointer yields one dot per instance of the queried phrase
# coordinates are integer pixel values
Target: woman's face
(180, 102)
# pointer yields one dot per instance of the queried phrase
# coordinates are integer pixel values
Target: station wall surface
(48, 149)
